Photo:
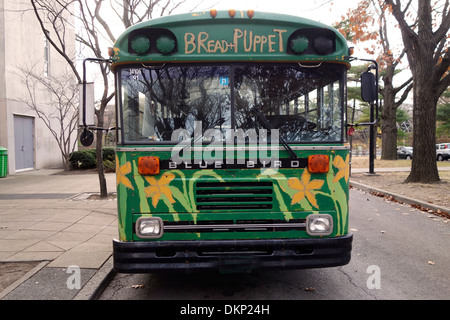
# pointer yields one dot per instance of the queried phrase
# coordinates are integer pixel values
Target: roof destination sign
(242, 40)
(258, 37)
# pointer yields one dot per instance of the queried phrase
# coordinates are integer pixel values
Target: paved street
(46, 220)
(406, 247)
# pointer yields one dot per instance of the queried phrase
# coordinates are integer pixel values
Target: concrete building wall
(3, 122)
(22, 47)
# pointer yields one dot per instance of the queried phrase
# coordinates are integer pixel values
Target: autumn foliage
(424, 28)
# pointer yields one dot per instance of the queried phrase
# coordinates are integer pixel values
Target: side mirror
(368, 87)
(86, 138)
(87, 109)
(87, 112)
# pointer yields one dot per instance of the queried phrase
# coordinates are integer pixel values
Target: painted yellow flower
(121, 173)
(343, 166)
(305, 187)
(158, 188)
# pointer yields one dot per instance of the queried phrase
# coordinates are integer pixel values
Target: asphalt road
(399, 253)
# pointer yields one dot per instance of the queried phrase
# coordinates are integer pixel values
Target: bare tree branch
(60, 115)
(61, 48)
(95, 28)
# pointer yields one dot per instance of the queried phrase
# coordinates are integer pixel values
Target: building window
(46, 56)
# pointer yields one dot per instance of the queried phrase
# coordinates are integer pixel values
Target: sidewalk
(55, 244)
(389, 182)
(399, 169)
(46, 218)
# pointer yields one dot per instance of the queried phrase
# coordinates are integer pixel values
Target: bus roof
(224, 36)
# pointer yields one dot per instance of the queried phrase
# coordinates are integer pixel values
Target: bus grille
(234, 195)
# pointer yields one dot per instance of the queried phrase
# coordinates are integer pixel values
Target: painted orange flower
(305, 187)
(159, 187)
(121, 173)
(343, 166)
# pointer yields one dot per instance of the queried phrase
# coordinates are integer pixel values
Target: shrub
(86, 159)
(109, 154)
(110, 166)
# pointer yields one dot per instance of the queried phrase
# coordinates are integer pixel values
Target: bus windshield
(306, 104)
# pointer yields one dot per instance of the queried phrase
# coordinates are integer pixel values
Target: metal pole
(372, 138)
(84, 94)
(373, 127)
(84, 85)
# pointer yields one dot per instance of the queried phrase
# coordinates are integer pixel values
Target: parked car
(405, 152)
(443, 151)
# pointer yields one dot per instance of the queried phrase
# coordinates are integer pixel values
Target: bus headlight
(149, 228)
(319, 225)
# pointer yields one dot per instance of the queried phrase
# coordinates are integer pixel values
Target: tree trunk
(389, 138)
(424, 167)
(99, 153)
(389, 125)
(66, 161)
(429, 60)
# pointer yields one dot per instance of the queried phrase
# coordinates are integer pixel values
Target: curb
(98, 283)
(22, 279)
(422, 205)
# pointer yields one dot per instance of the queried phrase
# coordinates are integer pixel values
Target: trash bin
(3, 162)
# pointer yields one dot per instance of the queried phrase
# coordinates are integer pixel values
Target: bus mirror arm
(374, 123)
(87, 137)
(369, 93)
(99, 128)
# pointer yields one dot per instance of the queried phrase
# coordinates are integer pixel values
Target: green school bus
(232, 151)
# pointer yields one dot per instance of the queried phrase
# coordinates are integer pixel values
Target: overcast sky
(326, 11)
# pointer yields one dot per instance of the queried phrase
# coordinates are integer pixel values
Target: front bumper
(230, 255)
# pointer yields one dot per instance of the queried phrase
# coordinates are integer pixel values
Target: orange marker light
(318, 163)
(148, 165)
(351, 51)
(232, 13)
(213, 13)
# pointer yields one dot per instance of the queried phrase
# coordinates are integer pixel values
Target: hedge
(86, 159)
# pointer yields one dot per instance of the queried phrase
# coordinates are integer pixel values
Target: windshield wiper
(267, 125)
(195, 140)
